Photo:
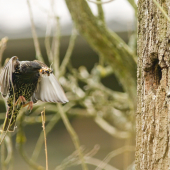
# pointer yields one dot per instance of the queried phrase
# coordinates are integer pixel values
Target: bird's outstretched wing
(6, 75)
(48, 88)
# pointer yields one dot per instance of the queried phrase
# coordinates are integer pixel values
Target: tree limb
(106, 44)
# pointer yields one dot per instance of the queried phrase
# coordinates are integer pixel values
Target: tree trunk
(153, 110)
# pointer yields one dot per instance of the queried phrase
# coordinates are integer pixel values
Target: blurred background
(99, 110)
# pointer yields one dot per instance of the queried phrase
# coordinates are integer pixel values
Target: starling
(23, 83)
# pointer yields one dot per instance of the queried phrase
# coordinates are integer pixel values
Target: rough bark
(153, 79)
(106, 44)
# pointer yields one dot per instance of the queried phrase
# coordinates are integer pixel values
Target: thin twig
(56, 47)
(102, 2)
(134, 6)
(69, 52)
(51, 16)
(45, 140)
(34, 34)
(30, 162)
(20, 140)
(73, 160)
(48, 128)
(56, 41)
(100, 11)
(96, 162)
(73, 136)
(70, 160)
(47, 38)
(39, 143)
(102, 22)
(8, 143)
(162, 10)
(120, 96)
(8, 160)
(113, 154)
(110, 129)
(3, 165)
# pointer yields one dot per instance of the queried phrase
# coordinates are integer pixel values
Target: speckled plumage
(28, 80)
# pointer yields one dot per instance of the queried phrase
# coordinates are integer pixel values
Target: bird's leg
(20, 100)
(29, 104)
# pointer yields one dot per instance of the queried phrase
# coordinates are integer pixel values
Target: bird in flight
(23, 83)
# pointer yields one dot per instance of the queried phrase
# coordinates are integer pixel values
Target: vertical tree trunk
(153, 111)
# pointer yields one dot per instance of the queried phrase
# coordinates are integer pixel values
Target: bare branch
(113, 154)
(96, 162)
(73, 160)
(45, 140)
(3, 165)
(100, 11)
(47, 38)
(73, 136)
(6, 157)
(34, 34)
(98, 2)
(110, 129)
(133, 4)
(8, 144)
(56, 47)
(39, 143)
(106, 44)
(68, 52)
(20, 139)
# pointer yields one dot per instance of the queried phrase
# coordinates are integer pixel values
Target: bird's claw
(30, 106)
(20, 100)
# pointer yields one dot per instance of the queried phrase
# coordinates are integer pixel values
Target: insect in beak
(45, 71)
